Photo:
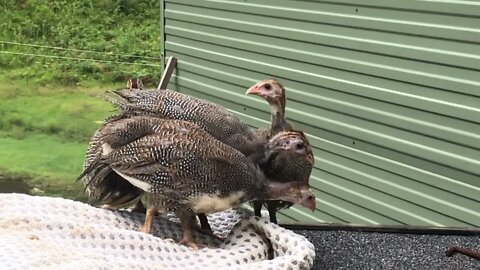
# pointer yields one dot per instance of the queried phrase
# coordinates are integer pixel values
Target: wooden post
(167, 73)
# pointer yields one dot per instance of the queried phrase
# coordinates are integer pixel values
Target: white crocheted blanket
(55, 233)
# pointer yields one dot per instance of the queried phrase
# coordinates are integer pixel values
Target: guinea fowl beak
(309, 201)
(254, 90)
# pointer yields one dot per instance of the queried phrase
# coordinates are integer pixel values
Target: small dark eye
(268, 86)
(299, 146)
(310, 197)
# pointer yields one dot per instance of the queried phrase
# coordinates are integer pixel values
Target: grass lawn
(45, 162)
(44, 133)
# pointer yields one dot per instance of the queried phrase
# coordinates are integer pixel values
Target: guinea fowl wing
(179, 148)
(213, 118)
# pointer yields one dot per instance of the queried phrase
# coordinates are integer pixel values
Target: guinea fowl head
(288, 157)
(294, 192)
(274, 93)
(270, 90)
(293, 141)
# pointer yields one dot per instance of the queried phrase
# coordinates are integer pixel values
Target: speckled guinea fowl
(185, 170)
(178, 106)
(114, 191)
(295, 162)
(213, 118)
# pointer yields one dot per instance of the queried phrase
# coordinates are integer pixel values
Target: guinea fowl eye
(299, 146)
(268, 86)
(310, 197)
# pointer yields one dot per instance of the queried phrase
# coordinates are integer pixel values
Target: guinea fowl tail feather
(107, 186)
(116, 99)
(93, 176)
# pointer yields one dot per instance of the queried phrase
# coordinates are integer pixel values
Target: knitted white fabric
(55, 233)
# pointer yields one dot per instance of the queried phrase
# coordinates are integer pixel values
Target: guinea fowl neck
(278, 190)
(277, 109)
(293, 192)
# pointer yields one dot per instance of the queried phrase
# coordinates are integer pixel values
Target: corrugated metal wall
(387, 91)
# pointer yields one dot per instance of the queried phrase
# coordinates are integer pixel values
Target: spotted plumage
(183, 169)
(213, 118)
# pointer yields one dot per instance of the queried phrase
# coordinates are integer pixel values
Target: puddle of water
(13, 185)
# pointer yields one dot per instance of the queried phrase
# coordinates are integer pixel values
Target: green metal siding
(387, 91)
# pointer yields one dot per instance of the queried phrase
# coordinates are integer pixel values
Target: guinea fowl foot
(145, 229)
(188, 243)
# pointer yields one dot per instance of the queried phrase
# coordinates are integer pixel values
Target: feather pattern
(191, 164)
(213, 118)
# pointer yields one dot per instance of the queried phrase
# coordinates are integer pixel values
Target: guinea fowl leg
(187, 220)
(205, 227)
(204, 223)
(272, 207)
(257, 208)
(147, 226)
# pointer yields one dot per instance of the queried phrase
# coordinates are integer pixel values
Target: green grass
(45, 162)
(69, 114)
(96, 38)
(44, 133)
(48, 106)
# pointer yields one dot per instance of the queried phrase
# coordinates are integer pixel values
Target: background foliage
(109, 27)
(49, 108)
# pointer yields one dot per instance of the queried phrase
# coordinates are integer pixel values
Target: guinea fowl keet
(185, 170)
(295, 162)
(215, 119)
(274, 93)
